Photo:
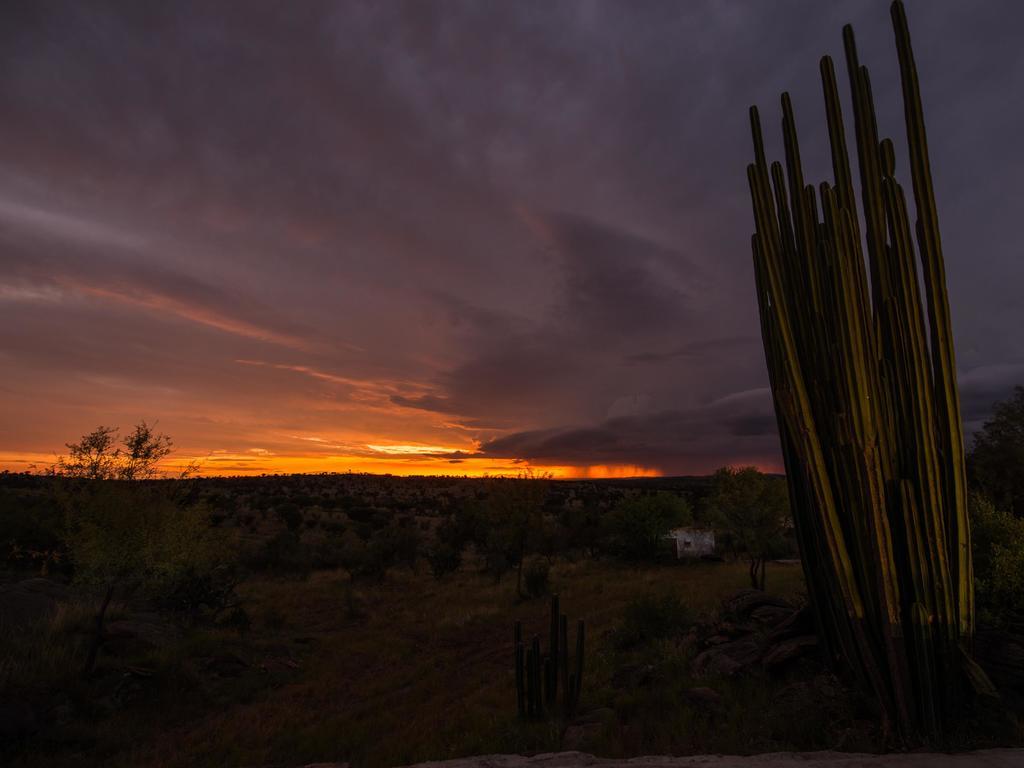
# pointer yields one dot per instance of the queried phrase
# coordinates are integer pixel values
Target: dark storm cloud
(736, 428)
(523, 224)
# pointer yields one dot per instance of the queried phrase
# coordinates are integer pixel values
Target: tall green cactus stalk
(864, 383)
(520, 671)
(553, 634)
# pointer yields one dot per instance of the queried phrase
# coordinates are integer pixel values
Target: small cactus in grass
(539, 676)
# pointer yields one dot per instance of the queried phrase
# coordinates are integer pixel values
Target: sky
(449, 237)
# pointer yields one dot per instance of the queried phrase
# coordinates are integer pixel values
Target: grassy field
(417, 668)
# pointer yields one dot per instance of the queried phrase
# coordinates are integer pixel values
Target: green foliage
(753, 509)
(996, 461)
(200, 590)
(998, 542)
(124, 532)
(635, 529)
(132, 536)
(650, 618)
(119, 530)
(511, 523)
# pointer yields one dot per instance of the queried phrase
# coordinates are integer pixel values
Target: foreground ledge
(986, 758)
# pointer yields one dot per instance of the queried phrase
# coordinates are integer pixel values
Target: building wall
(693, 542)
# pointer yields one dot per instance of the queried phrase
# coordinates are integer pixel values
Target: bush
(996, 461)
(636, 527)
(290, 514)
(444, 559)
(195, 592)
(283, 554)
(651, 618)
(998, 548)
(364, 561)
(535, 577)
(398, 544)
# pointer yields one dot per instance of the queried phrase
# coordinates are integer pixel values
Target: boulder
(788, 650)
(577, 737)
(746, 601)
(771, 614)
(727, 659)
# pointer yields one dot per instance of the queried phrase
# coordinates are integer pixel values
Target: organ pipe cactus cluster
(539, 676)
(863, 378)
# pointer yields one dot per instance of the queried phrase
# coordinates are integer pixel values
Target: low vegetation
(288, 620)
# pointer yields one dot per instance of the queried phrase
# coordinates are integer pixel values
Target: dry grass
(421, 669)
(423, 673)
(49, 651)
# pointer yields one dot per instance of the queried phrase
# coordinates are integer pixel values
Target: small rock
(771, 614)
(727, 659)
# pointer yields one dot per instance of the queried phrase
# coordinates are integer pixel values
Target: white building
(693, 542)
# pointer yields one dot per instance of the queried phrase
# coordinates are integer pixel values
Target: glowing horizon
(224, 464)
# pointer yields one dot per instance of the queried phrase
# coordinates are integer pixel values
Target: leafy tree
(996, 460)
(124, 534)
(513, 522)
(997, 539)
(636, 527)
(753, 509)
(579, 526)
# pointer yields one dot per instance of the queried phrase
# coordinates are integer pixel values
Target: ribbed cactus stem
(553, 654)
(577, 676)
(563, 661)
(537, 686)
(863, 378)
(520, 660)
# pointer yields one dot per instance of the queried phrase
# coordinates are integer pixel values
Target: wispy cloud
(203, 315)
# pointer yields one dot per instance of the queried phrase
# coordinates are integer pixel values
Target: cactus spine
(539, 677)
(867, 403)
